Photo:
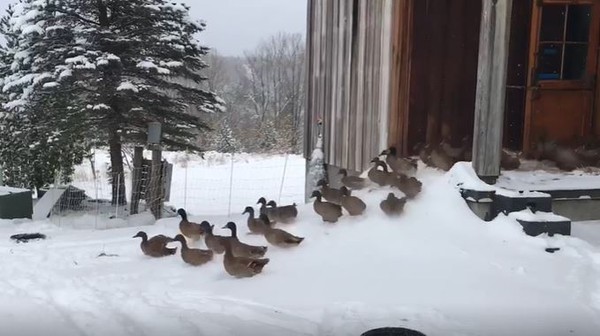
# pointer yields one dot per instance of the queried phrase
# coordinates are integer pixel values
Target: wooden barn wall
(443, 70)
(348, 78)
(400, 74)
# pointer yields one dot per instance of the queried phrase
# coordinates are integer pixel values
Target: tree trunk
(117, 174)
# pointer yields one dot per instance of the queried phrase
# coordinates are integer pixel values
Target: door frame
(533, 85)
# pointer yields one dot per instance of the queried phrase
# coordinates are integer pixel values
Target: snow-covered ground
(438, 268)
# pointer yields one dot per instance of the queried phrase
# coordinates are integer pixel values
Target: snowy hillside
(437, 268)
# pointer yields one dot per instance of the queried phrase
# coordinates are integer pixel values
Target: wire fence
(218, 184)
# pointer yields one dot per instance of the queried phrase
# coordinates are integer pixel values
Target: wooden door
(562, 74)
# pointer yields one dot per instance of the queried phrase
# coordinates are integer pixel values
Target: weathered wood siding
(349, 48)
(443, 75)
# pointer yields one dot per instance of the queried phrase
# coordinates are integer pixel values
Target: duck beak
(224, 227)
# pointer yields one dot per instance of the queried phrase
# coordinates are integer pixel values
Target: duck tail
(295, 240)
(171, 251)
(258, 264)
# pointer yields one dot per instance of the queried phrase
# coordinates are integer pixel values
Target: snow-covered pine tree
(45, 138)
(316, 167)
(126, 63)
(225, 140)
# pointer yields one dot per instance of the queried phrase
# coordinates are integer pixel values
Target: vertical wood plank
(308, 85)
(491, 88)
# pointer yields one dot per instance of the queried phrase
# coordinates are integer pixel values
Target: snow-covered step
(539, 222)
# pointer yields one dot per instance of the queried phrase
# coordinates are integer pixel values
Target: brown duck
(424, 151)
(193, 256)
(285, 213)
(155, 246)
(190, 230)
(241, 267)
(392, 205)
(354, 205)
(213, 242)
(456, 153)
(509, 161)
(330, 194)
(440, 159)
(398, 164)
(265, 210)
(329, 212)
(410, 186)
(255, 225)
(381, 177)
(565, 158)
(352, 182)
(279, 237)
(240, 249)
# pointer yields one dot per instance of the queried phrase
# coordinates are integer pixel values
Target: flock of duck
(242, 260)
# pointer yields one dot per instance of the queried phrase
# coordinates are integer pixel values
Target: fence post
(283, 176)
(185, 182)
(231, 183)
(96, 191)
(154, 139)
(118, 190)
(136, 177)
(155, 188)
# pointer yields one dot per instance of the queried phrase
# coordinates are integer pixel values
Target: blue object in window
(548, 76)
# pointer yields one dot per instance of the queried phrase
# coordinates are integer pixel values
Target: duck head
(345, 191)
(375, 160)
(262, 201)
(206, 227)
(343, 172)
(141, 234)
(248, 210)
(316, 194)
(182, 213)
(272, 204)
(321, 183)
(180, 238)
(231, 226)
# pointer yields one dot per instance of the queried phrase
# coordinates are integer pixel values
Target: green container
(15, 203)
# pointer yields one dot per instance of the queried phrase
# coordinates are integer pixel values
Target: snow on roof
(4, 190)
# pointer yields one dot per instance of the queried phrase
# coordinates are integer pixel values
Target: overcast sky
(234, 26)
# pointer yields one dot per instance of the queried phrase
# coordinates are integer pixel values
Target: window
(564, 37)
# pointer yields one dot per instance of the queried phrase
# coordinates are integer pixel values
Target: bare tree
(263, 93)
(274, 72)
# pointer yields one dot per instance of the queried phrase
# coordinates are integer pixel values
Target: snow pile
(437, 268)
(127, 86)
